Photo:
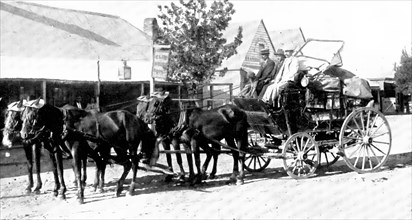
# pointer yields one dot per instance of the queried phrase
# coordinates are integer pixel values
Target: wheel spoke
(363, 123)
(357, 158)
(368, 127)
(258, 160)
(250, 162)
(381, 142)
(377, 128)
(312, 146)
(378, 135)
(378, 149)
(373, 152)
(369, 158)
(363, 158)
(357, 125)
(356, 150)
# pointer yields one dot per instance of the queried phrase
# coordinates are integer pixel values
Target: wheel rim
(365, 140)
(300, 156)
(255, 162)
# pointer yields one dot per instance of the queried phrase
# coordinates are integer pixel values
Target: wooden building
(58, 54)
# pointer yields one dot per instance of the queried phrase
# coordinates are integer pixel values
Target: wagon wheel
(327, 157)
(365, 140)
(255, 162)
(300, 155)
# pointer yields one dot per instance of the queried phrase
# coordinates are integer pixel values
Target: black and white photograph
(205, 109)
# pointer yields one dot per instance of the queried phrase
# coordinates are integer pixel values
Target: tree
(403, 74)
(194, 33)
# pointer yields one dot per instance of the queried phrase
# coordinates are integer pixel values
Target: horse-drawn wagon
(326, 115)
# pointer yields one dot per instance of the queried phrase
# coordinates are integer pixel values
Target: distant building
(56, 53)
(255, 38)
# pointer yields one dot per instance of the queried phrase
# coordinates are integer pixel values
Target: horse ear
(20, 104)
(36, 102)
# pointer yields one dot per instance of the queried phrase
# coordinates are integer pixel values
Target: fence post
(230, 92)
(210, 103)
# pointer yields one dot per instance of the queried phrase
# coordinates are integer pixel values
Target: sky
(374, 32)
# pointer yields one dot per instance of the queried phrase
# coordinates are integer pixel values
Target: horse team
(88, 133)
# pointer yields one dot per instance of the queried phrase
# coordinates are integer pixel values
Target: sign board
(161, 55)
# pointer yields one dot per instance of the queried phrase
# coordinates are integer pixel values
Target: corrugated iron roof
(33, 30)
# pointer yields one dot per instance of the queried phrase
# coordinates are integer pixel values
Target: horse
(168, 122)
(42, 122)
(12, 126)
(210, 127)
(122, 131)
(80, 149)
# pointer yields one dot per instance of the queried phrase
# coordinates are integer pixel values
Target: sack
(323, 82)
(357, 87)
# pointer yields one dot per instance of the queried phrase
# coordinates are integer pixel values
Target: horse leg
(176, 147)
(126, 168)
(77, 165)
(195, 148)
(166, 146)
(56, 178)
(135, 163)
(59, 158)
(29, 161)
(215, 159)
(37, 154)
(189, 160)
(242, 145)
(235, 155)
(207, 161)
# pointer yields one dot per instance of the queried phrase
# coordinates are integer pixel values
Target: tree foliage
(403, 74)
(195, 33)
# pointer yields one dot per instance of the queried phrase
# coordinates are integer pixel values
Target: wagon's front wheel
(300, 155)
(365, 140)
(255, 162)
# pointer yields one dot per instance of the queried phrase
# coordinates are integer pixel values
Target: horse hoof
(118, 194)
(55, 194)
(62, 197)
(168, 178)
(239, 182)
(37, 191)
(203, 177)
(28, 191)
(129, 194)
(80, 201)
(212, 176)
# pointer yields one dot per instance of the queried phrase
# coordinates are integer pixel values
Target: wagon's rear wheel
(365, 140)
(300, 155)
(255, 162)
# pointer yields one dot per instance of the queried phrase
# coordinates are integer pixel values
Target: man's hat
(280, 52)
(264, 51)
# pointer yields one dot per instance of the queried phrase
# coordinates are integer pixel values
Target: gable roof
(249, 32)
(288, 39)
(44, 31)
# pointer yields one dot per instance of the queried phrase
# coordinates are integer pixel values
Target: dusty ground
(338, 193)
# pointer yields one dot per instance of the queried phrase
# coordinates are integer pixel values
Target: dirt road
(338, 193)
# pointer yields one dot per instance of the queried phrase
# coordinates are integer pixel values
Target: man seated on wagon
(249, 90)
(287, 75)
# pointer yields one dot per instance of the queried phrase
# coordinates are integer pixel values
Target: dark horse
(168, 119)
(12, 126)
(210, 127)
(80, 150)
(123, 132)
(228, 122)
(43, 122)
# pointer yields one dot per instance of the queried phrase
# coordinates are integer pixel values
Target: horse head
(12, 121)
